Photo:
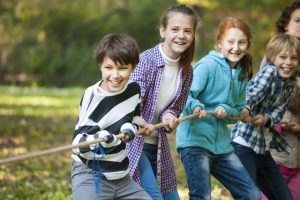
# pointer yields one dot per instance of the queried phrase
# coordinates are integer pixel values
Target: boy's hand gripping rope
(85, 144)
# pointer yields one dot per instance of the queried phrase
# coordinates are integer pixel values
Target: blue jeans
(147, 169)
(264, 171)
(200, 163)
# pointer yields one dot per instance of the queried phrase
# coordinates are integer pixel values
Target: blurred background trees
(51, 42)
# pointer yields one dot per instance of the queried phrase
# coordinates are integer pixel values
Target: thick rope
(85, 144)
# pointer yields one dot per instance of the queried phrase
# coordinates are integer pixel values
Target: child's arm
(141, 76)
(146, 129)
(259, 85)
(239, 105)
(109, 141)
(276, 115)
(257, 90)
(200, 78)
(129, 130)
(260, 120)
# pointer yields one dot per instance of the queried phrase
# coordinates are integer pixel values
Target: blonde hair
(280, 42)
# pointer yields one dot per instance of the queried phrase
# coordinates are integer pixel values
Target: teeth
(115, 83)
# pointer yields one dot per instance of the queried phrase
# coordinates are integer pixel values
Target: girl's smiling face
(234, 45)
(177, 35)
(286, 63)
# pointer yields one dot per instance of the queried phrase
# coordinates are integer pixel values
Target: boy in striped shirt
(107, 108)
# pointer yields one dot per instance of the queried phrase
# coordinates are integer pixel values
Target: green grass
(35, 119)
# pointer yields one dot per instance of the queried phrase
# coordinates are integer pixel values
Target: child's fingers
(220, 112)
(125, 138)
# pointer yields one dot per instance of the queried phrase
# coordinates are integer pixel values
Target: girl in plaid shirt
(267, 96)
(164, 74)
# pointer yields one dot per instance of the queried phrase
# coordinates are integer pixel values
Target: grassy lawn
(34, 119)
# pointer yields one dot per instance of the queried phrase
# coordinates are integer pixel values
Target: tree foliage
(52, 42)
(260, 15)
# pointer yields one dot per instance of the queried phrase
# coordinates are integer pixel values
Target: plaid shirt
(148, 74)
(268, 94)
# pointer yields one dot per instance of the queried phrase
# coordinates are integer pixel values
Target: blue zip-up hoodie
(213, 86)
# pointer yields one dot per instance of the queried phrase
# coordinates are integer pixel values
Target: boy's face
(114, 75)
(286, 63)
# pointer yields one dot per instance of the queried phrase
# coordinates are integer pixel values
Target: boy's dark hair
(286, 14)
(119, 47)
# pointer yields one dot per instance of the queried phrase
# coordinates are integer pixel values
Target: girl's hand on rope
(146, 129)
(260, 120)
(171, 120)
(245, 115)
(220, 112)
(202, 113)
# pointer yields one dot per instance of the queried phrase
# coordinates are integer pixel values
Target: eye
(174, 29)
(295, 58)
(189, 31)
(107, 67)
(243, 42)
(283, 56)
(230, 42)
(123, 68)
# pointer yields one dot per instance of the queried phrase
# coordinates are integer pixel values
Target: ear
(162, 32)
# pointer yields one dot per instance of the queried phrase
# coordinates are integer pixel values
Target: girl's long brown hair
(187, 56)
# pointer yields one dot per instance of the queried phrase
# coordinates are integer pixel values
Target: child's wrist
(267, 121)
(247, 108)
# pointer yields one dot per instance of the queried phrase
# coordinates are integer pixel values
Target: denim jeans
(147, 169)
(264, 171)
(200, 163)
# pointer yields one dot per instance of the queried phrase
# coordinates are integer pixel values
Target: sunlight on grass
(183, 193)
(39, 101)
(33, 101)
(35, 119)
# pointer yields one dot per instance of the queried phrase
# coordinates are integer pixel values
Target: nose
(288, 61)
(236, 46)
(115, 73)
(181, 34)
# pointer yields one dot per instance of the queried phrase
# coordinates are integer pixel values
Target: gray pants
(83, 186)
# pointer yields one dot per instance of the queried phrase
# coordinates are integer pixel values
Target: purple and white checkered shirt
(148, 74)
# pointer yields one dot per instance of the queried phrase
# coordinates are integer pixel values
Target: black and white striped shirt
(101, 110)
